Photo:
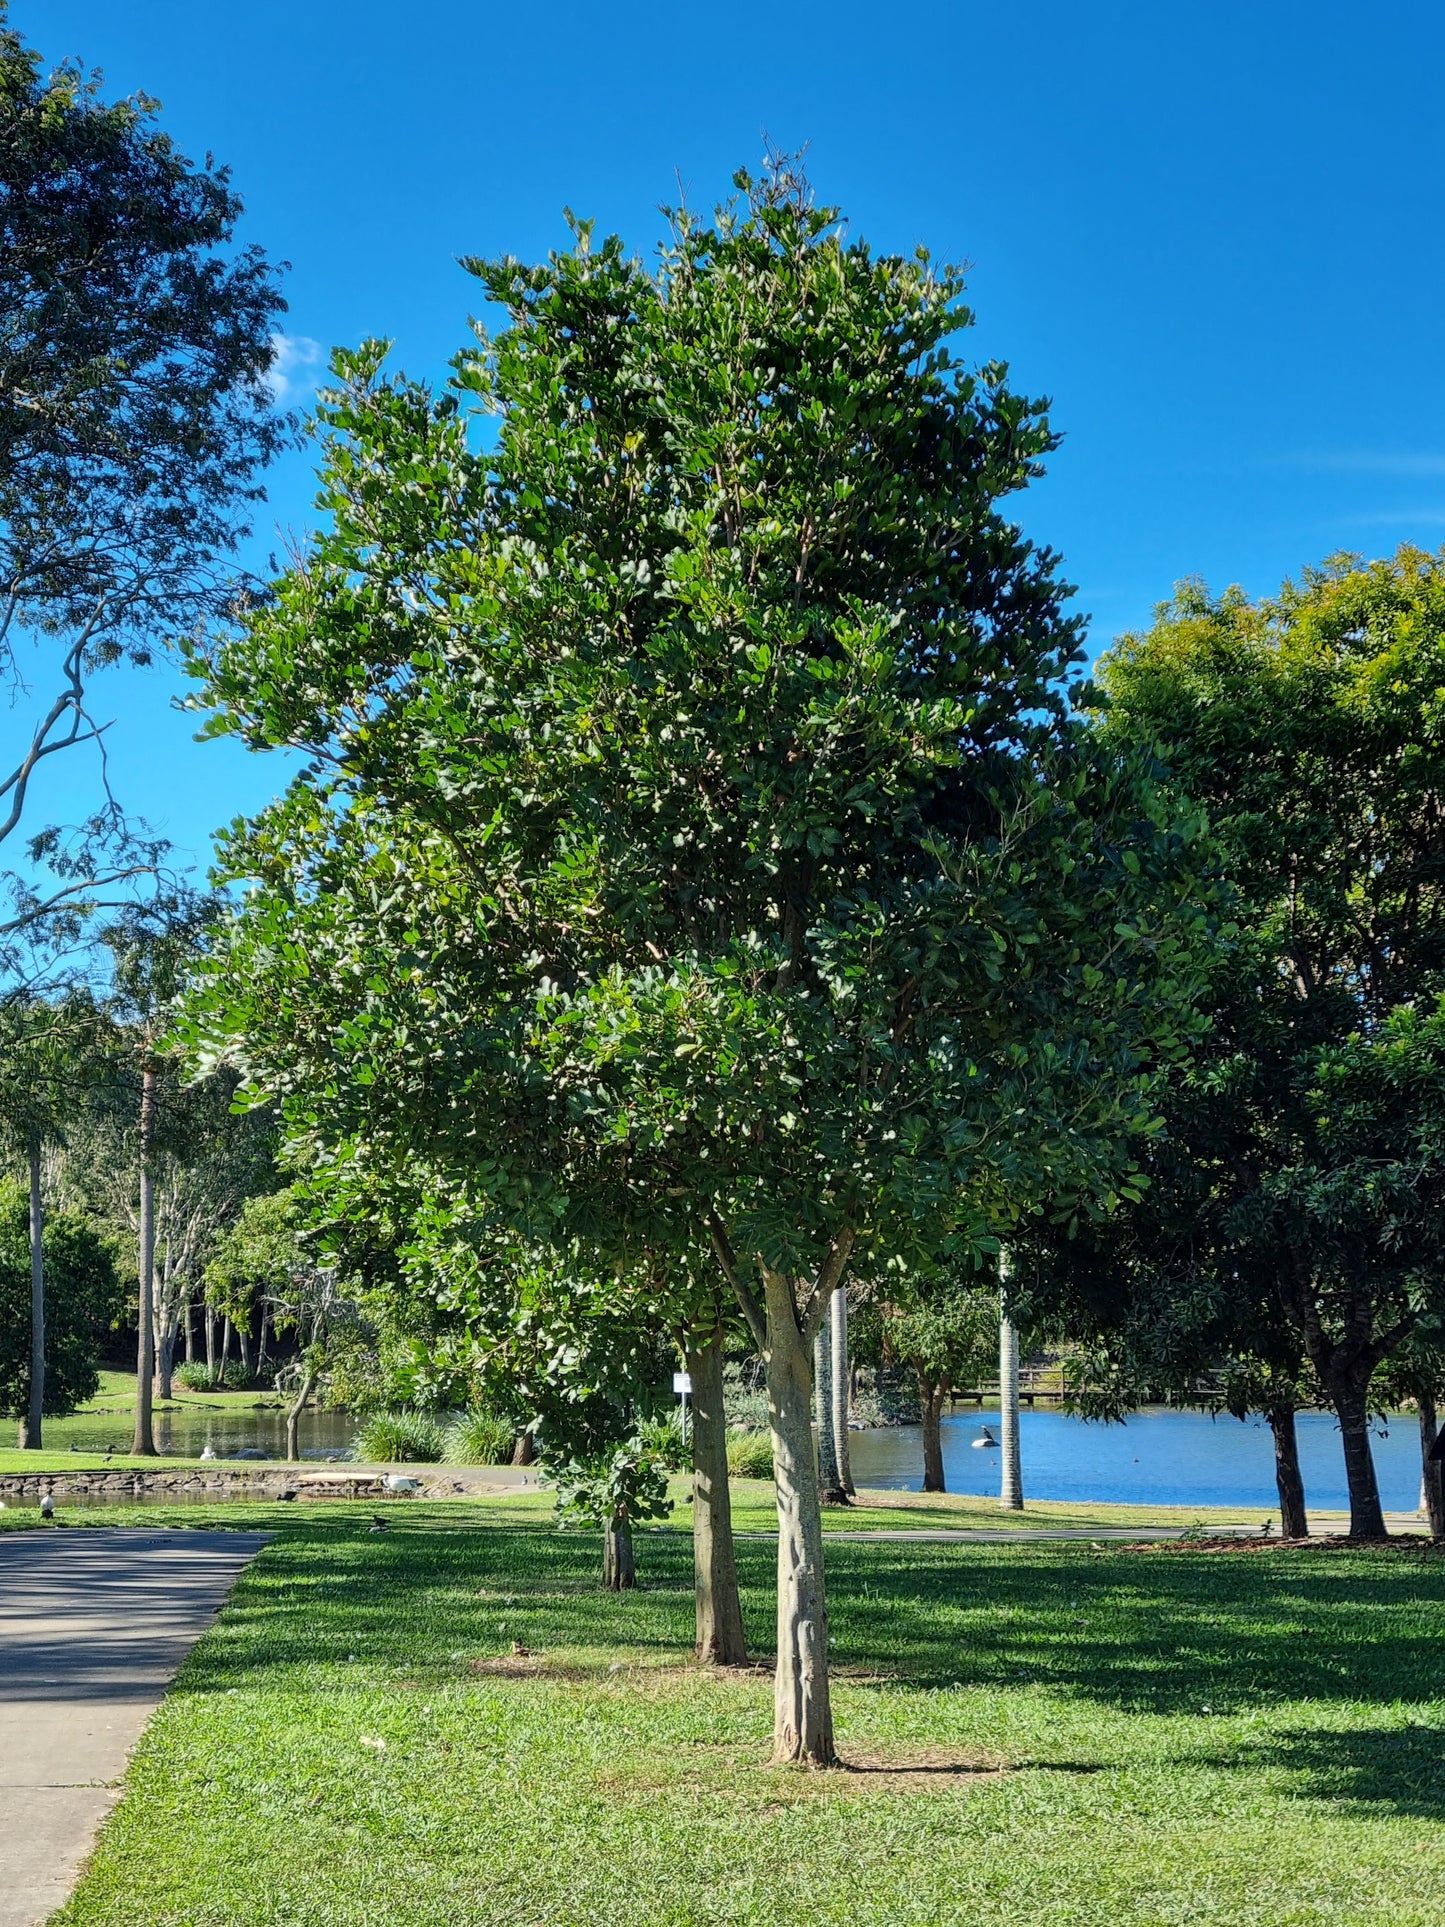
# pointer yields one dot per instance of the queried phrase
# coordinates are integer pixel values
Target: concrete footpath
(93, 1625)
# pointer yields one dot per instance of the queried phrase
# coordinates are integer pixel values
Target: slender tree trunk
(190, 1331)
(209, 1314)
(143, 1446)
(293, 1415)
(802, 1712)
(225, 1346)
(1011, 1492)
(1293, 1522)
(524, 1452)
(930, 1403)
(165, 1348)
(243, 1344)
(619, 1572)
(31, 1427)
(719, 1607)
(261, 1342)
(842, 1383)
(830, 1484)
(1367, 1517)
(1432, 1481)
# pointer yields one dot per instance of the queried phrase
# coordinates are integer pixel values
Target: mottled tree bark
(1293, 1522)
(293, 1414)
(930, 1402)
(802, 1709)
(143, 1446)
(1367, 1517)
(619, 1571)
(720, 1639)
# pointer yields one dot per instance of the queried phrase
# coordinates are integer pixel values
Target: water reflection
(1157, 1458)
(186, 1433)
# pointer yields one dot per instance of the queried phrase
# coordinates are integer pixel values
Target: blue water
(1155, 1458)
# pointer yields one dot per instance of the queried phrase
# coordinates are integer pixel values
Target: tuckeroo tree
(696, 854)
(1310, 728)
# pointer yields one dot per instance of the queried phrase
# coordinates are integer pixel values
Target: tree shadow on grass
(1367, 1768)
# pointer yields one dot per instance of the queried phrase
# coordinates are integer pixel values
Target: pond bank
(254, 1481)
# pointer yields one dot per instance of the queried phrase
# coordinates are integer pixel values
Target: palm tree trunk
(1011, 1493)
(31, 1428)
(143, 1446)
(842, 1384)
(830, 1484)
(1432, 1479)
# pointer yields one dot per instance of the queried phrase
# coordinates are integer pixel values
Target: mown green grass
(1160, 1736)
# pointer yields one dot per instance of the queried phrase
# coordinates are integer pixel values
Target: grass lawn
(1038, 1732)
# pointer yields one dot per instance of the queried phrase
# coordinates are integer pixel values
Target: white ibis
(393, 1482)
(47, 1507)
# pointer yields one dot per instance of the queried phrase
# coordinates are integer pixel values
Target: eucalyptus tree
(84, 1301)
(135, 420)
(1309, 729)
(695, 848)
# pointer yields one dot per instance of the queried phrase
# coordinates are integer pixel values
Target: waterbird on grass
(393, 1482)
(378, 1524)
(47, 1507)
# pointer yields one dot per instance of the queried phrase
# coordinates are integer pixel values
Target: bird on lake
(393, 1482)
(983, 1444)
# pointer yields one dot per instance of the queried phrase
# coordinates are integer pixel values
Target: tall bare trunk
(830, 1484)
(165, 1347)
(143, 1446)
(802, 1712)
(225, 1345)
(1432, 1480)
(842, 1385)
(261, 1341)
(293, 1415)
(190, 1331)
(1367, 1517)
(31, 1426)
(244, 1344)
(720, 1639)
(209, 1315)
(930, 1401)
(1011, 1492)
(1293, 1521)
(619, 1571)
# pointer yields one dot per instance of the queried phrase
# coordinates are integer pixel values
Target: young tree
(697, 849)
(946, 1331)
(135, 418)
(1308, 727)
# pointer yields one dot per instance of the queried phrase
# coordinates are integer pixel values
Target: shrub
(478, 1438)
(399, 1438)
(662, 1439)
(750, 1455)
(197, 1377)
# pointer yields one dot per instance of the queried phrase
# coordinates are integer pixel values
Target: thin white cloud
(291, 357)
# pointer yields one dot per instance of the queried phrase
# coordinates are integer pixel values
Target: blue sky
(1210, 231)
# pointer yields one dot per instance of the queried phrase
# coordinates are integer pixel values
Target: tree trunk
(210, 1318)
(243, 1343)
(619, 1573)
(190, 1331)
(842, 1383)
(1011, 1489)
(293, 1415)
(261, 1342)
(165, 1350)
(1432, 1481)
(1293, 1523)
(830, 1484)
(524, 1452)
(1367, 1517)
(225, 1347)
(930, 1402)
(802, 1713)
(30, 1428)
(719, 1608)
(143, 1446)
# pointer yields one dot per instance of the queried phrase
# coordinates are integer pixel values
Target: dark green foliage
(83, 1300)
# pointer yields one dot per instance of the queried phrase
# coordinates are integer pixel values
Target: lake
(1157, 1457)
